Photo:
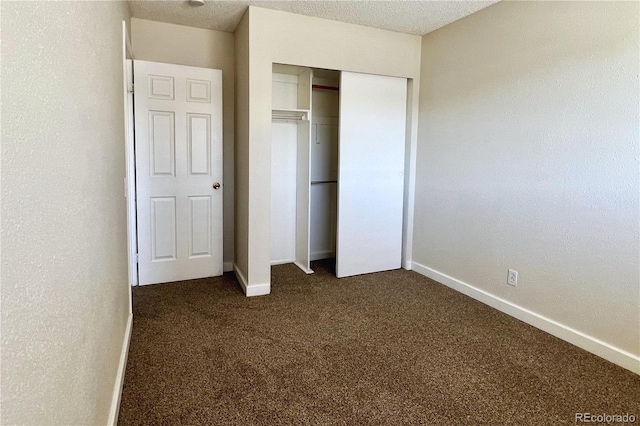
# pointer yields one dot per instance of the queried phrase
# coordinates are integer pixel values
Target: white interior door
(370, 173)
(178, 149)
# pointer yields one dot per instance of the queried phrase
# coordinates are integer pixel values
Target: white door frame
(130, 161)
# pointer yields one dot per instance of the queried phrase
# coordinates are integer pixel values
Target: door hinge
(130, 87)
(137, 257)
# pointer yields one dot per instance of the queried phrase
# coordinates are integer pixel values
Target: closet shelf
(290, 115)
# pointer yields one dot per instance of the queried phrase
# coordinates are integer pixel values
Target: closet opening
(337, 169)
(304, 165)
(323, 211)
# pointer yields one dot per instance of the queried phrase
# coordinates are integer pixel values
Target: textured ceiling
(412, 17)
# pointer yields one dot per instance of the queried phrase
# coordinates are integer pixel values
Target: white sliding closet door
(371, 169)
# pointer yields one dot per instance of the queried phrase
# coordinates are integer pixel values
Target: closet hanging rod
(313, 182)
(322, 87)
(291, 115)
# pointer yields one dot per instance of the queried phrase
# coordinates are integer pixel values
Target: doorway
(178, 172)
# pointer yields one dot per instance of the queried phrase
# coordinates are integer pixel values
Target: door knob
(216, 185)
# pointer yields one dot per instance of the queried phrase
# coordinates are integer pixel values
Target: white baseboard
(251, 290)
(588, 343)
(227, 267)
(122, 366)
(240, 277)
(304, 268)
(299, 265)
(258, 290)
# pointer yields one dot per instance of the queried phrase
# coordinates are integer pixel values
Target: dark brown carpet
(391, 348)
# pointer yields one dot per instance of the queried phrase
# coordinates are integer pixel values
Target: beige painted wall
(242, 149)
(65, 293)
(177, 44)
(528, 159)
(280, 37)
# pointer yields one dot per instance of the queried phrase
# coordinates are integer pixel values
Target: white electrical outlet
(512, 277)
